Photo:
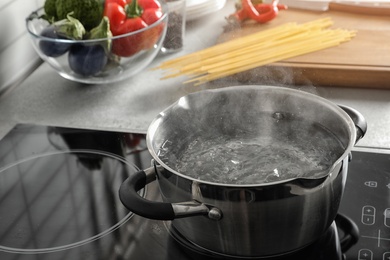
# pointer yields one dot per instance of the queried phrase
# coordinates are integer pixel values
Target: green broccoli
(50, 9)
(88, 12)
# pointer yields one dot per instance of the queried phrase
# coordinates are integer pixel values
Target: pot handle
(350, 230)
(128, 194)
(358, 119)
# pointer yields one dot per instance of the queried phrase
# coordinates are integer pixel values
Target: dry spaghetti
(258, 49)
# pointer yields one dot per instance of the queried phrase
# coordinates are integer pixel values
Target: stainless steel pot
(252, 219)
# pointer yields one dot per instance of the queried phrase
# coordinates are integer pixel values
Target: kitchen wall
(17, 56)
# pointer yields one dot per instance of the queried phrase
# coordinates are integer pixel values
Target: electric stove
(59, 200)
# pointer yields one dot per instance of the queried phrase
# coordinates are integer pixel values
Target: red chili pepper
(131, 15)
(261, 13)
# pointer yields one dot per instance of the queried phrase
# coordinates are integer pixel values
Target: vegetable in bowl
(88, 12)
(87, 59)
(97, 55)
(69, 28)
(129, 16)
(91, 58)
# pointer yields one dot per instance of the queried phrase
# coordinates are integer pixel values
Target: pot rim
(325, 102)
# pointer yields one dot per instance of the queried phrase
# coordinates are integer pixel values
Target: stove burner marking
(387, 217)
(365, 254)
(379, 238)
(81, 242)
(368, 215)
(371, 184)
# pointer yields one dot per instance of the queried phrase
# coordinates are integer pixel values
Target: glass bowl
(109, 65)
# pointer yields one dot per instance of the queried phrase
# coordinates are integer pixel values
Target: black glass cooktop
(59, 200)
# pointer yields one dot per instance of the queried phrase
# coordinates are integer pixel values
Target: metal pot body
(260, 220)
(248, 220)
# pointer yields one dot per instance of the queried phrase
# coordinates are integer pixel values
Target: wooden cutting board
(362, 62)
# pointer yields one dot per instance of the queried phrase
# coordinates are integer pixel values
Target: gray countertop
(46, 98)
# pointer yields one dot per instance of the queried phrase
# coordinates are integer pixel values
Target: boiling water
(286, 148)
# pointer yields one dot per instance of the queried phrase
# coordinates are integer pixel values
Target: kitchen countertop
(48, 99)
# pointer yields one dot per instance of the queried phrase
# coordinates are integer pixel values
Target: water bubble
(276, 173)
(235, 162)
(278, 115)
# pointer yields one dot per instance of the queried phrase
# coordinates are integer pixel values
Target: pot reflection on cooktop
(59, 200)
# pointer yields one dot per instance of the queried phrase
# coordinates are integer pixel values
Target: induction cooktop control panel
(367, 201)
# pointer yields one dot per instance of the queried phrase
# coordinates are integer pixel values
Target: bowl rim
(35, 15)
